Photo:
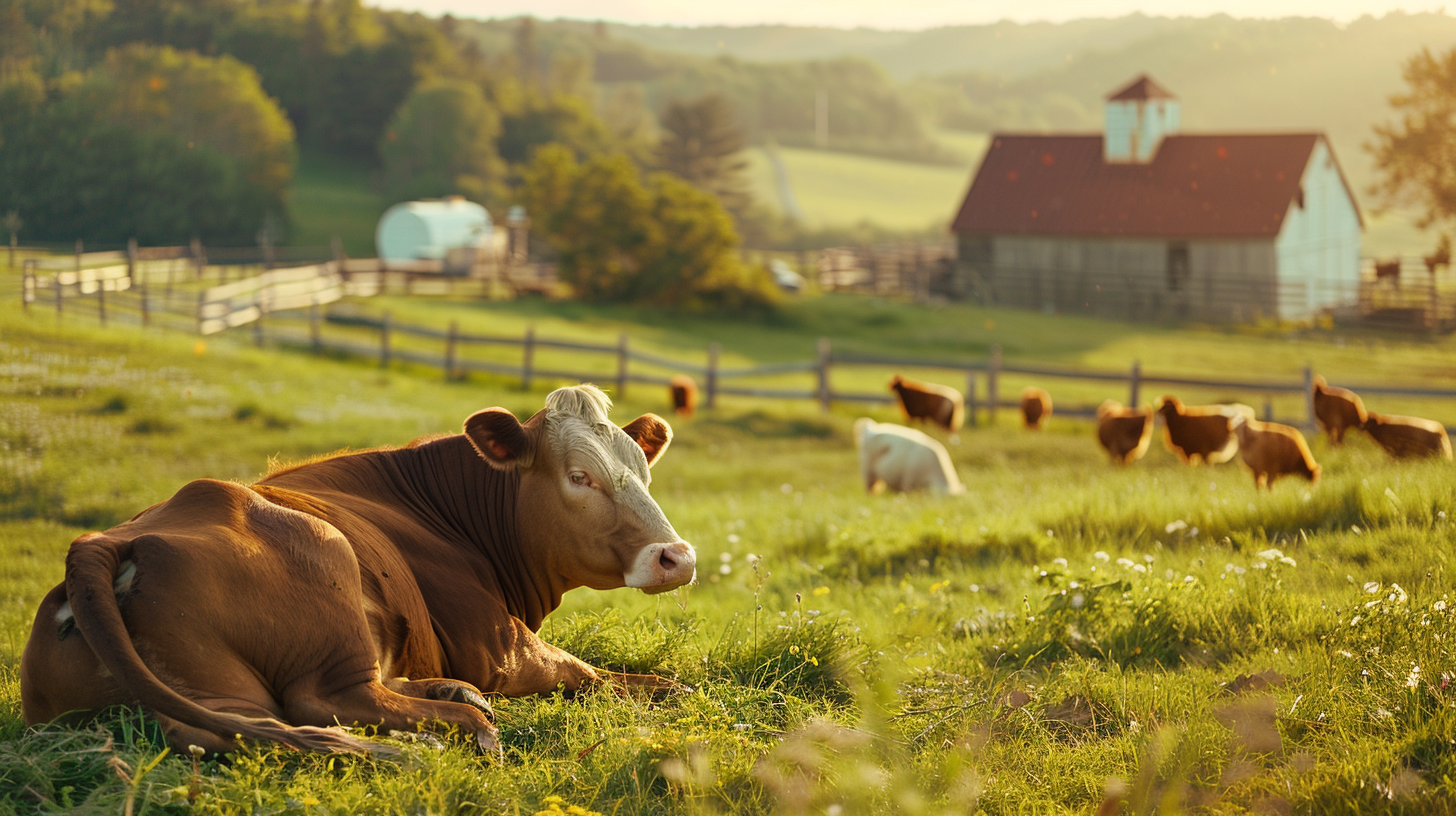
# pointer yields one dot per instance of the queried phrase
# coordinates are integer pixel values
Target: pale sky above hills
(900, 14)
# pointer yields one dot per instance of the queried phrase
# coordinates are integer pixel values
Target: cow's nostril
(667, 561)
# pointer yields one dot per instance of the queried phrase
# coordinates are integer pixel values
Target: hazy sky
(895, 13)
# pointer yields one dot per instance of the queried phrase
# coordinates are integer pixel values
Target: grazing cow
(387, 587)
(940, 404)
(1408, 437)
(1200, 433)
(1388, 271)
(903, 459)
(1272, 450)
(1337, 410)
(1124, 432)
(1036, 405)
(684, 394)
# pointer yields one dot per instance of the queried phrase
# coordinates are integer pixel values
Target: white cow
(903, 458)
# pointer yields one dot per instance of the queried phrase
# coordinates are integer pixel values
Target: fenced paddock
(179, 288)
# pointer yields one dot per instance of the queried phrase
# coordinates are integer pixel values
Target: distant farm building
(452, 230)
(1144, 221)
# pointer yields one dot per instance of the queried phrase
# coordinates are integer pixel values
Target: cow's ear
(500, 438)
(652, 434)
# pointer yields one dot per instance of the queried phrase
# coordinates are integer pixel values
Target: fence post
(27, 284)
(1135, 381)
(199, 261)
(384, 341)
(621, 366)
(993, 386)
(528, 357)
(710, 387)
(201, 306)
(971, 397)
(146, 307)
(825, 358)
(1268, 408)
(1309, 397)
(101, 299)
(451, 338)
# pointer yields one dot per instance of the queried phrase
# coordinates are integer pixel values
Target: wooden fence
(982, 376)
(145, 289)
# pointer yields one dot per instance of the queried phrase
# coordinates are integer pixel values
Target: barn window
(1177, 266)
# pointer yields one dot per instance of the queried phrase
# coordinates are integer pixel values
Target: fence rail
(146, 290)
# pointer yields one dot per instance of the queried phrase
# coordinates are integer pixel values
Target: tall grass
(1066, 636)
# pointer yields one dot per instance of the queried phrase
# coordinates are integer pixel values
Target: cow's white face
(584, 491)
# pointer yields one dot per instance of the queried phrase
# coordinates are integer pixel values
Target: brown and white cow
(1124, 432)
(1406, 437)
(1200, 433)
(1036, 407)
(1337, 410)
(1272, 450)
(931, 402)
(387, 587)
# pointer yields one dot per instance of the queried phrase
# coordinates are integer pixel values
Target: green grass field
(1064, 634)
(843, 189)
(332, 197)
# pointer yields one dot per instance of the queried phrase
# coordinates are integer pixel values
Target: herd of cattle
(903, 459)
(394, 587)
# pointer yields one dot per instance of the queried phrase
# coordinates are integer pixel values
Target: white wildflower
(1101, 556)
(1372, 587)
(1175, 527)
(733, 538)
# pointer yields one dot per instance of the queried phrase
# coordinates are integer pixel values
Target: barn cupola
(1138, 117)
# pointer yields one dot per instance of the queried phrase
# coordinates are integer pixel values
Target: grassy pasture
(1065, 629)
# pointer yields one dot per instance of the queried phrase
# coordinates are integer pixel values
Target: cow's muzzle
(661, 567)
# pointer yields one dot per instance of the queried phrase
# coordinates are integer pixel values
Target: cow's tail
(93, 567)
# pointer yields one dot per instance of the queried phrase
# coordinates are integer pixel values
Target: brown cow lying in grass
(684, 394)
(1408, 437)
(1036, 406)
(1337, 410)
(1124, 432)
(1272, 450)
(1200, 433)
(940, 404)
(388, 587)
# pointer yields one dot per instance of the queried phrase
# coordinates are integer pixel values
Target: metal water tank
(430, 230)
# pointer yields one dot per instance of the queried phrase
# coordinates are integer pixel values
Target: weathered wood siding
(1124, 277)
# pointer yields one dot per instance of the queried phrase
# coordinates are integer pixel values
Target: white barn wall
(1319, 246)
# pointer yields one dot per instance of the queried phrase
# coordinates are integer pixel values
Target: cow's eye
(579, 478)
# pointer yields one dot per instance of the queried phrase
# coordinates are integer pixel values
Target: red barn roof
(1205, 186)
(1142, 88)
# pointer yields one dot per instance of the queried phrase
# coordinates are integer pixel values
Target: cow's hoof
(462, 693)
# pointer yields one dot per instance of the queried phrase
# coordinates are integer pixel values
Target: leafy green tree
(1416, 156)
(539, 119)
(620, 238)
(701, 144)
(442, 142)
(152, 144)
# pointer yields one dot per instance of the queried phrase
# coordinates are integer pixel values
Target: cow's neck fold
(446, 480)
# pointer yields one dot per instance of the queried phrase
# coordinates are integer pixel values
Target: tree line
(165, 120)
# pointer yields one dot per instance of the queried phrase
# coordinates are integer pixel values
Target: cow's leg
(372, 703)
(442, 688)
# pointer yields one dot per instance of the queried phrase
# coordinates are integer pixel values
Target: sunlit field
(1066, 633)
